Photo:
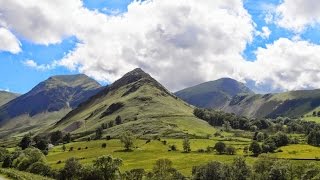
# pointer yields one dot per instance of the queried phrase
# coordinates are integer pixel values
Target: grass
(299, 151)
(148, 111)
(20, 175)
(146, 154)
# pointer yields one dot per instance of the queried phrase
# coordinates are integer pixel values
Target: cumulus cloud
(296, 15)
(287, 64)
(180, 42)
(8, 42)
(42, 67)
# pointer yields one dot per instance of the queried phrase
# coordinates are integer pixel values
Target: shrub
(40, 168)
(71, 149)
(220, 147)
(230, 150)
(104, 145)
(173, 147)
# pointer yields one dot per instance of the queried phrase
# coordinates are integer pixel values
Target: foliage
(255, 148)
(186, 145)
(72, 170)
(108, 166)
(127, 139)
(25, 142)
(56, 137)
(220, 147)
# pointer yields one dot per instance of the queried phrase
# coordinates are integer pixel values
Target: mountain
(6, 97)
(145, 107)
(46, 103)
(214, 94)
(291, 104)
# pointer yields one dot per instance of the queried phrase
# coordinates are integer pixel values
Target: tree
(118, 120)
(226, 125)
(279, 171)
(42, 144)
(240, 169)
(110, 124)
(134, 174)
(186, 145)
(260, 137)
(72, 169)
(163, 170)
(108, 166)
(220, 147)
(255, 148)
(64, 148)
(263, 165)
(7, 162)
(230, 150)
(314, 113)
(99, 132)
(3, 153)
(211, 171)
(127, 139)
(67, 138)
(55, 137)
(25, 142)
(40, 168)
(314, 138)
(318, 113)
(104, 145)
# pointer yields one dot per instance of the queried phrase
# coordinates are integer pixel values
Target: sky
(271, 45)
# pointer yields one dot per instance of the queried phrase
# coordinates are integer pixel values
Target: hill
(291, 104)
(145, 106)
(46, 103)
(213, 94)
(5, 97)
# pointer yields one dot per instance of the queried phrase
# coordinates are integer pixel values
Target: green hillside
(145, 106)
(45, 104)
(213, 94)
(292, 104)
(5, 97)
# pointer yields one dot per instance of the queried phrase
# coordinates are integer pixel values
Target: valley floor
(145, 154)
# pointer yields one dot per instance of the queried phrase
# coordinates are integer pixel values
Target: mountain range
(79, 105)
(46, 103)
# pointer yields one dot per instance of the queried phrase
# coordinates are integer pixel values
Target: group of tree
(42, 141)
(316, 114)
(230, 120)
(270, 144)
(110, 124)
(222, 148)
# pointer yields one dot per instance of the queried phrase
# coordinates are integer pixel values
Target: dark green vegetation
(213, 94)
(6, 97)
(45, 104)
(136, 103)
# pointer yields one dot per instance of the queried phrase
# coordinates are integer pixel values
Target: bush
(104, 145)
(173, 147)
(230, 150)
(40, 168)
(71, 149)
(220, 147)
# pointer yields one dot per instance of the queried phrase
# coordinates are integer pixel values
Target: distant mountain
(6, 97)
(145, 106)
(46, 103)
(214, 94)
(291, 104)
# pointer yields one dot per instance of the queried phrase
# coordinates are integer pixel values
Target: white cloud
(286, 64)
(180, 42)
(42, 67)
(266, 32)
(8, 42)
(6, 90)
(296, 15)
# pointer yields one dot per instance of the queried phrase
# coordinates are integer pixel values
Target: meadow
(145, 154)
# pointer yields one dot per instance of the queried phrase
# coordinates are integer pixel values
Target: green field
(145, 155)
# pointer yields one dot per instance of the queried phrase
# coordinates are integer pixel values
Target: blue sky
(17, 77)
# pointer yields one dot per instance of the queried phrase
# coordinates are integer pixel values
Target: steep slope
(46, 103)
(145, 106)
(292, 104)
(5, 97)
(213, 94)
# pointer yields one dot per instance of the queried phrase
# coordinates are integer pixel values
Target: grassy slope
(147, 111)
(213, 94)
(6, 97)
(294, 103)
